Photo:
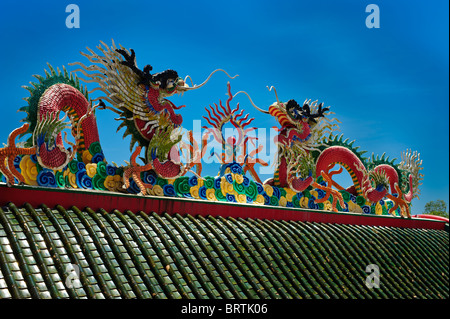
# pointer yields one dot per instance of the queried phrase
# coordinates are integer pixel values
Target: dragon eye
(171, 83)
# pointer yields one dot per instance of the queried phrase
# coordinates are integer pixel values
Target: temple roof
(144, 254)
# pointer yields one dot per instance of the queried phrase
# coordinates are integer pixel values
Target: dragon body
(59, 98)
(360, 177)
(374, 181)
(308, 151)
(302, 131)
(137, 96)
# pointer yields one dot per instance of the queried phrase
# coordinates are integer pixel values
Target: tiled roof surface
(138, 255)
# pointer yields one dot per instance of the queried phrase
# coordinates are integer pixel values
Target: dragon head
(297, 122)
(295, 114)
(138, 96)
(168, 83)
(303, 125)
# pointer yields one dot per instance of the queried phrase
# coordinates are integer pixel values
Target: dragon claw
(337, 196)
(399, 201)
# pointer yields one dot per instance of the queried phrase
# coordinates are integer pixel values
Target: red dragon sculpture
(306, 152)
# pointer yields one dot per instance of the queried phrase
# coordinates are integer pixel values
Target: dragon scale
(360, 177)
(63, 97)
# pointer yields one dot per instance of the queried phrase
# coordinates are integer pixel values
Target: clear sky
(388, 86)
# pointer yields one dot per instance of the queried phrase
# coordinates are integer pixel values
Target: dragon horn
(275, 90)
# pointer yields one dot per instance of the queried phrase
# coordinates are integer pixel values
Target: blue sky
(388, 86)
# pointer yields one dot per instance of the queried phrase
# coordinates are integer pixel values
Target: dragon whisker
(251, 101)
(207, 79)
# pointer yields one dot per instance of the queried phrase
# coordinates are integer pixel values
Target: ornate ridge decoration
(307, 147)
